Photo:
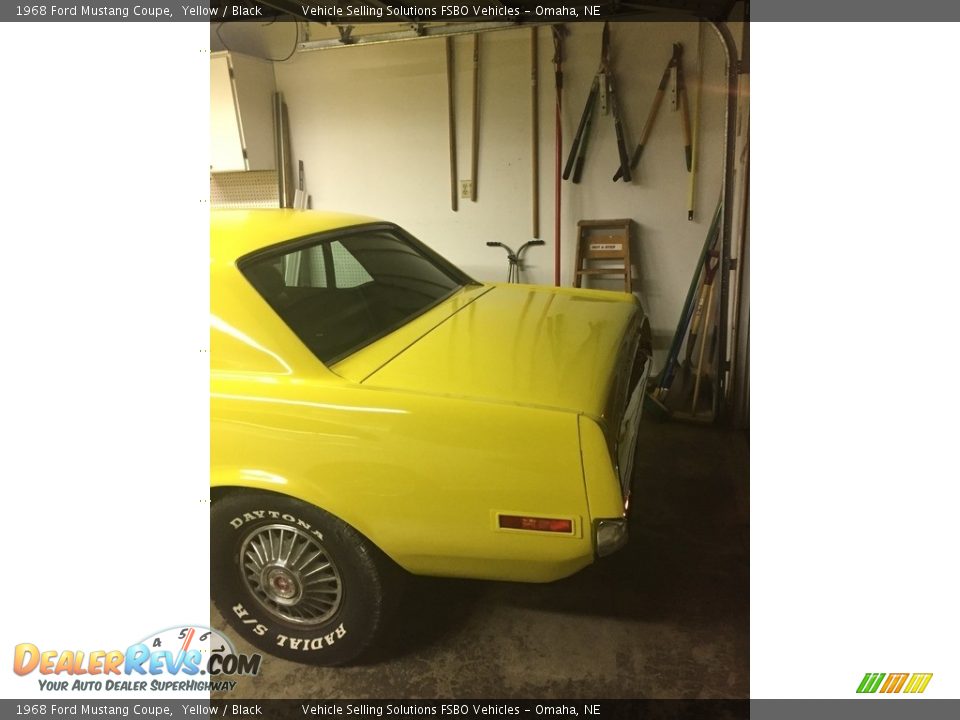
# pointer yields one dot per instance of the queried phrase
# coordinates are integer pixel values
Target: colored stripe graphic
(918, 683)
(870, 682)
(894, 682)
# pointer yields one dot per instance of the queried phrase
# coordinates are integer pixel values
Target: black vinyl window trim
(288, 246)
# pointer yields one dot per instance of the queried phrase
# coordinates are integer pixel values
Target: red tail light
(520, 522)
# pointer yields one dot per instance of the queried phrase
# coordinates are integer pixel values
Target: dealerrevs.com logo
(182, 659)
(911, 683)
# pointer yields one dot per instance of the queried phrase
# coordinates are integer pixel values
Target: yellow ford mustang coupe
(374, 410)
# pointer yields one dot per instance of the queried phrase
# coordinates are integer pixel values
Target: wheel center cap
(281, 585)
(290, 574)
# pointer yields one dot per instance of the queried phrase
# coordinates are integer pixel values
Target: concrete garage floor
(667, 617)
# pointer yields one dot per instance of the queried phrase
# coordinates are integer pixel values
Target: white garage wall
(370, 124)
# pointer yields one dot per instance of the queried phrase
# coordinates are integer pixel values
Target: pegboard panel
(254, 189)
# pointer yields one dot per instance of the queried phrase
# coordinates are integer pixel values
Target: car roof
(235, 233)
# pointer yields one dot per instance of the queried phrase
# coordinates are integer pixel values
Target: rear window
(341, 293)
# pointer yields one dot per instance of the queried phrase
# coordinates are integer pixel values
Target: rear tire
(295, 581)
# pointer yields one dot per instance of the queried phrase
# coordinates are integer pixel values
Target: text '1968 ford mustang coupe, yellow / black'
(375, 411)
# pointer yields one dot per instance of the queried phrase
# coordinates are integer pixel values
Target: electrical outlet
(466, 188)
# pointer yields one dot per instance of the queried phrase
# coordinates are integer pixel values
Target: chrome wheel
(291, 574)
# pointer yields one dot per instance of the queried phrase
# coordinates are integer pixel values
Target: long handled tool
(452, 125)
(710, 269)
(558, 31)
(475, 158)
(708, 287)
(675, 63)
(692, 193)
(683, 104)
(666, 376)
(619, 129)
(579, 148)
(535, 132)
(681, 386)
(602, 81)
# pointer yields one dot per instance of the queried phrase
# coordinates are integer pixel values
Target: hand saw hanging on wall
(603, 83)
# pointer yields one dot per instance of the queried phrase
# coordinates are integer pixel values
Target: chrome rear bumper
(609, 535)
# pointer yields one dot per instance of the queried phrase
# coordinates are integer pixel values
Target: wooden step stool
(607, 244)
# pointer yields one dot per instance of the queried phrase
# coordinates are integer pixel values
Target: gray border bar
(759, 10)
(872, 708)
(321, 709)
(868, 708)
(854, 11)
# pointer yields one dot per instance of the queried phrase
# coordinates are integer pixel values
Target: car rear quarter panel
(422, 476)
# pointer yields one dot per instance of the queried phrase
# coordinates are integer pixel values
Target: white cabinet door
(226, 145)
(241, 113)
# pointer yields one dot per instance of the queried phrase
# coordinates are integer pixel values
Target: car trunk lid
(545, 347)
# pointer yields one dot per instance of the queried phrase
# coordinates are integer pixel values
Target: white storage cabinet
(241, 113)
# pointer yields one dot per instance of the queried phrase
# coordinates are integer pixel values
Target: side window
(348, 271)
